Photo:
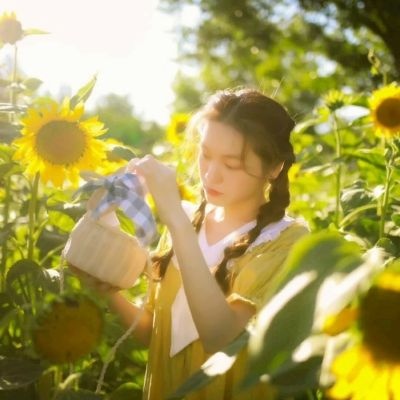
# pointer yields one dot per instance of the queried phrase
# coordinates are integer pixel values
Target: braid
(272, 211)
(161, 261)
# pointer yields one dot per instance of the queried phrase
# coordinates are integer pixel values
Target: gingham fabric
(126, 192)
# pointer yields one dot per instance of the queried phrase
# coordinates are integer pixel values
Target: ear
(274, 172)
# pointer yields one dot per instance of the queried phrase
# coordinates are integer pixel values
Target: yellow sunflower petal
(94, 125)
(335, 324)
(389, 280)
(348, 363)
(362, 382)
(177, 127)
(341, 390)
(78, 111)
(63, 144)
(53, 174)
(394, 383)
(379, 387)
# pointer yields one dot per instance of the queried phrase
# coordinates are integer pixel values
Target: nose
(213, 173)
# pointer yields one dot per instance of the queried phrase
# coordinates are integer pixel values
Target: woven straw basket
(105, 252)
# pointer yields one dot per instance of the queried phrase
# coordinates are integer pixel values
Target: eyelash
(207, 157)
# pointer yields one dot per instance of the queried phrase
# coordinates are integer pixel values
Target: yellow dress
(254, 277)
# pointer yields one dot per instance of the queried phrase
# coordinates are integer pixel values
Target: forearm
(216, 321)
(128, 312)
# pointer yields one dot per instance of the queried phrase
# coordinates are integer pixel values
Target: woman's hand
(99, 286)
(160, 180)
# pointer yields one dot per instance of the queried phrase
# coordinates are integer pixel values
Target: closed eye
(235, 166)
(204, 155)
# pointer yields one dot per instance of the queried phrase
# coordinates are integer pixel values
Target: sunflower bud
(10, 29)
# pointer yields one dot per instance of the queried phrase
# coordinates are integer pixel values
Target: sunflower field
(340, 299)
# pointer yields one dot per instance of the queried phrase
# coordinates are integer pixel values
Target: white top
(183, 329)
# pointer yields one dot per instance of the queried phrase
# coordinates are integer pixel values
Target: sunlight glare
(127, 43)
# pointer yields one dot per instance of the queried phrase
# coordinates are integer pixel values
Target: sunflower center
(380, 323)
(61, 142)
(388, 112)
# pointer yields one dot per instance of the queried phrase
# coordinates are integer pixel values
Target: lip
(212, 192)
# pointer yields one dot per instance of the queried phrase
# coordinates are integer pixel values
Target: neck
(238, 213)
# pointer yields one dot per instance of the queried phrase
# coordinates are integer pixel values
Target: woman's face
(228, 178)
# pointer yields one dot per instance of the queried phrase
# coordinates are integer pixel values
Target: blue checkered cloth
(125, 191)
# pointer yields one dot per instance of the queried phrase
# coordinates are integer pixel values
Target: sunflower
(385, 109)
(177, 127)
(68, 330)
(58, 144)
(10, 29)
(336, 99)
(370, 368)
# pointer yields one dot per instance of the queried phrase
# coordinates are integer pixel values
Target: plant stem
(4, 249)
(388, 183)
(7, 200)
(338, 170)
(32, 216)
(13, 88)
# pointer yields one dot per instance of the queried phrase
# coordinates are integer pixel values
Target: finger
(131, 166)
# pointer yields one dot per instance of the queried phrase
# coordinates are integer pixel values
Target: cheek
(246, 184)
(201, 165)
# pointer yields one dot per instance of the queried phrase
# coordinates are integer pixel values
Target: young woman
(217, 268)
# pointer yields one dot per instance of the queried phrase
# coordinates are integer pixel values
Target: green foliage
(17, 373)
(116, 112)
(267, 44)
(83, 93)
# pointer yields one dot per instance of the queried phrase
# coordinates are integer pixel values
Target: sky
(128, 43)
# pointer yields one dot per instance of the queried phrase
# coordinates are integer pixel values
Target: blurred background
(156, 57)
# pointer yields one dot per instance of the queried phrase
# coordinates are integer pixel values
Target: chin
(215, 201)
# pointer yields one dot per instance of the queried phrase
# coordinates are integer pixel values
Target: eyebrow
(231, 156)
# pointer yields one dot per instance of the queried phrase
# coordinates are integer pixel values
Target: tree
(378, 16)
(118, 115)
(273, 45)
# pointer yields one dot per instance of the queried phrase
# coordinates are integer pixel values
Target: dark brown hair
(266, 127)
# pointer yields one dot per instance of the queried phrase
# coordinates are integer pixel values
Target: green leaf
(23, 276)
(61, 220)
(70, 394)
(218, 364)
(34, 31)
(8, 132)
(303, 126)
(83, 93)
(127, 391)
(127, 225)
(121, 152)
(297, 377)
(387, 245)
(312, 260)
(16, 372)
(396, 219)
(355, 196)
(7, 169)
(369, 156)
(5, 233)
(32, 84)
